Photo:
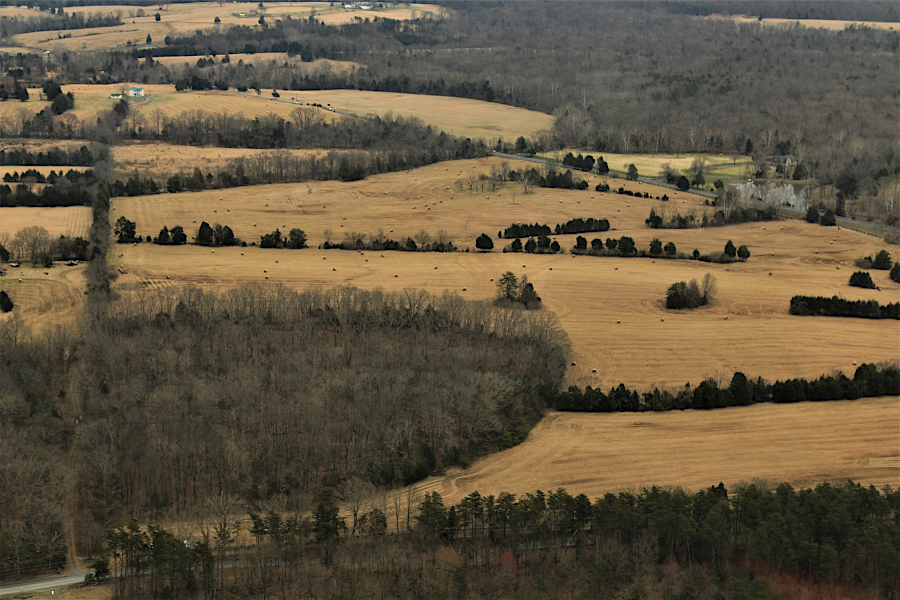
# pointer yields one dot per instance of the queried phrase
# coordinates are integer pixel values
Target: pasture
(832, 24)
(44, 298)
(802, 444)
(747, 327)
(160, 159)
(719, 166)
(61, 220)
(457, 116)
(138, 22)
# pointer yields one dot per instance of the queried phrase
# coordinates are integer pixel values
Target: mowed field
(802, 444)
(457, 116)
(160, 159)
(648, 165)
(611, 308)
(58, 220)
(320, 64)
(833, 24)
(194, 16)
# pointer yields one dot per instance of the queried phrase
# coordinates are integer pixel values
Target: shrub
(895, 272)
(828, 219)
(863, 280)
(484, 242)
(812, 214)
(882, 261)
(6, 304)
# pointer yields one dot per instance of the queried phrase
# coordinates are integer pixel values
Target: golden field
(194, 16)
(44, 298)
(588, 294)
(648, 165)
(802, 444)
(833, 24)
(161, 159)
(457, 116)
(59, 220)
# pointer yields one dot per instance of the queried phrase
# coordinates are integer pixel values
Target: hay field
(803, 444)
(58, 220)
(457, 116)
(648, 165)
(44, 301)
(315, 66)
(832, 24)
(160, 158)
(194, 16)
(588, 294)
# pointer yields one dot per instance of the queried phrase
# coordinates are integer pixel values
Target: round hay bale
(854, 362)
(551, 268)
(333, 269)
(212, 251)
(662, 320)
(726, 317)
(523, 266)
(764, 228)
(618, 322)
(573, 363)
(770, 273)
(435, 268)
(395, 276)
(276, 262)
(242, 253)
(265, 270)
(593, 370)
(617, 268)
(464, 289)
(267, 276)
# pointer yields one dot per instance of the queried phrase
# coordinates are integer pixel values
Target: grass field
(63, 220)
(320, 64)
(161, 159)
(179, 18)
(458, 116)
(588, 294)
(802, 444)
(648, 165)
(833, 24)
(44, 298)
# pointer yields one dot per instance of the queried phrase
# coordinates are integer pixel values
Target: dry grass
(63, 220)
(588, 294)
(315, 66)
(648, 165)
(802, 444)
(159, 158)
(44, 301)
(180, 18)
(835, 24)
(458, 116)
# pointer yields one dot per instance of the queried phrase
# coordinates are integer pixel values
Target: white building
(136, 92)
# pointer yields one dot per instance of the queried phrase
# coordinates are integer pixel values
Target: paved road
(41, 585)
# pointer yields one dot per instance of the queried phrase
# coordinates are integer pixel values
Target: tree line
(702, 545)
(661, 219)
(625, 247)
(840, 307)
(75, 188)
(869, 380)
(577, 225)
(84, 156)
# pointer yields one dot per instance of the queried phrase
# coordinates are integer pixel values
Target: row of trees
(869, 380)
(73, 189)
(35, 244)
(420, 242)
(661, 218)
(577, 225)
(840, 307)
(625, 247)
(704, 544)
(83, 156)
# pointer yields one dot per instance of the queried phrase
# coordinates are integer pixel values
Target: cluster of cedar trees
(718, 219)
(840, 307)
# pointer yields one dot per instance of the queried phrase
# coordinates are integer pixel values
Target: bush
(882, 261)
(895, 272)
(828, 219)
(484, 242)
(812, 214)
(6, 304)
(863, 280)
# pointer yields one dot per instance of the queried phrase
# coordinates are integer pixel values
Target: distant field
(158, 158)
(43, 301)
(588, 294)
(63, 220)
(648, 165)
(320, 64)
(836, 25)
(43, 170)
(178, 18)
(458, 116)
(802, 444)
(38, 145)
